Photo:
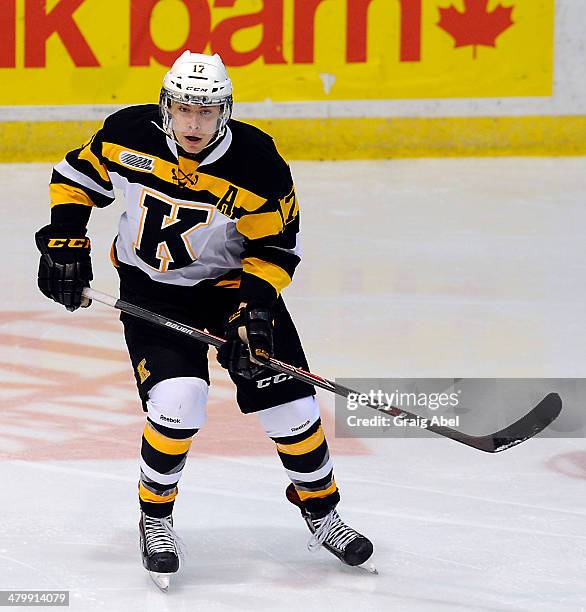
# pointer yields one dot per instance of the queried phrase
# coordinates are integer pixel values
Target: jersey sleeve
(81, 178)
(271, 246)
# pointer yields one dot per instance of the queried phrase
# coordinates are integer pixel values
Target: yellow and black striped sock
(163, 456)
(306, 460)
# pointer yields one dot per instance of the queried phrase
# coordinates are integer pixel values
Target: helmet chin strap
(172, 136)
(217, 136)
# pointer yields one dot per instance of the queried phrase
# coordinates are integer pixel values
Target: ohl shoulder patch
(144, 163)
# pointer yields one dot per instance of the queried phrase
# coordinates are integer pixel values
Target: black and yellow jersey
(186, 221)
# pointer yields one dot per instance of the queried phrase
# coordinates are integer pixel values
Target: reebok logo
(162, 417)
(300, 426)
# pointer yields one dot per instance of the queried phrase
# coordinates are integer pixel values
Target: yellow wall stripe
(303, 495)
(303, 447)
(412, 137)
(66, 194)
(269, 272)
(148, 496)
(46, 141)
(346, 138)
(169, 446)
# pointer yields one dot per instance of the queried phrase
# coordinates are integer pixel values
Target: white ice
(412, 268)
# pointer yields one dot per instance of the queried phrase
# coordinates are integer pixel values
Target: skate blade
(161, 580)
(369, 567)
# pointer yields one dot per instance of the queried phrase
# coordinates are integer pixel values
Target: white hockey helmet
(197, 78)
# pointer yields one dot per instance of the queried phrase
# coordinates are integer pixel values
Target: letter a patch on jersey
(226, 203)
(143, 373)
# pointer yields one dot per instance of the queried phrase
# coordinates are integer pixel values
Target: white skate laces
(332, 530)
(161, 537)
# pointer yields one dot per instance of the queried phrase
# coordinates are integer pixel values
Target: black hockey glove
(249, 341)
(65, 267)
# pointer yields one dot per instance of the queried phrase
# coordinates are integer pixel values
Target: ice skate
(329, 531)
(159, 546)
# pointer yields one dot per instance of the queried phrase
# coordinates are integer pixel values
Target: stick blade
(526, 427)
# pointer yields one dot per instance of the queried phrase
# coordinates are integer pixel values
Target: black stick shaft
(529, 425)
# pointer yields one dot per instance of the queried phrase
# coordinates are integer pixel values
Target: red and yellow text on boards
(115, 51)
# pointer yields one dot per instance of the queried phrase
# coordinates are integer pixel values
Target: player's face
(194, 125)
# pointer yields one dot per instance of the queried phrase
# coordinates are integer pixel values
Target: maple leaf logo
(476, 25)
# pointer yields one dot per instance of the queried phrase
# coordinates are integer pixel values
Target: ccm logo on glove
(71, 243)
(65, 266)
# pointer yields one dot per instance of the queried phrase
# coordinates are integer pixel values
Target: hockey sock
(306, 460)
(163, 456)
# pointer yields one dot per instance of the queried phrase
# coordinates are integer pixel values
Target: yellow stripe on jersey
(289, 206)
(229, 284)
(162, 168)
(260, 225)
(188, 166)
(305, 495)
(192, 179)
(113, 257)
(88, 155)
(305, 446)
(67, 194)
(169, 446)
(238, 196)
(269, 272)
(148, 496)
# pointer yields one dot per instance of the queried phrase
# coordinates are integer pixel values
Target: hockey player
(209, 236)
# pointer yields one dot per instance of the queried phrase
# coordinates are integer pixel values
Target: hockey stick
(526, 427)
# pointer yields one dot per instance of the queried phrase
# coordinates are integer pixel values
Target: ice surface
(430, 268)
